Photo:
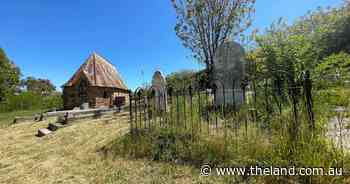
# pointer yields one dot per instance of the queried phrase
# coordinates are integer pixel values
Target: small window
(105, 95)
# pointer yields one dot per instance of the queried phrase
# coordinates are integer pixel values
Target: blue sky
(51, 39)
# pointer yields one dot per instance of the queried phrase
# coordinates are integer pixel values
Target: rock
(43, 131)
(55, 126)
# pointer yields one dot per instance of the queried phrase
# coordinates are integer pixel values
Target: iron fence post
(130, 108)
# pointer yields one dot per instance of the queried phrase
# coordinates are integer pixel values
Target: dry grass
(71, 155)
(6, 118)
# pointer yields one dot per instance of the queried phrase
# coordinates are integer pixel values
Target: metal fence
(215, 110)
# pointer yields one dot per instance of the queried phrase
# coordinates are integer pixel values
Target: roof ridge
(99, 72)
(94, 65)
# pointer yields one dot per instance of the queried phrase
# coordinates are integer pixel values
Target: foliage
(42, 87)
(283, 56)
(335, 65)
(30, 101)
(53, 101)
(313, 37)
(182, 80)
(23, 101)
(327, 29)
(332, 97)
(203, 25)
(318, 42)
(9, 75)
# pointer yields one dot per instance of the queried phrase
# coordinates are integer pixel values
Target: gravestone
(159, 88)
(228, 72)
(43, 131)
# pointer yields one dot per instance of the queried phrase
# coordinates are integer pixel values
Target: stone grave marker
(160, 92)
(228, 73)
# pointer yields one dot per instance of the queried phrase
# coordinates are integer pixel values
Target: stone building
(96, 84)
(229, 71)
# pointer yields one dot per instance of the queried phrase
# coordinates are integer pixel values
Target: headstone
(228, 73)
(65, 118)
(43, 131)
(55, 126)
(159, 88)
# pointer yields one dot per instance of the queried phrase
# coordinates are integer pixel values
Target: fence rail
(70, 115)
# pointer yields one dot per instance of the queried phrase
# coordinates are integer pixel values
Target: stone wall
(97, 97)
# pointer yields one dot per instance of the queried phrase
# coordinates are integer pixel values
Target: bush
(30, 101)
(52, 102)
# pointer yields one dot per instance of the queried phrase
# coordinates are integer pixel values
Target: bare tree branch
(203, 25)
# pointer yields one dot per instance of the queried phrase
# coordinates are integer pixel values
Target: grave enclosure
(224, 107)
(166, 106)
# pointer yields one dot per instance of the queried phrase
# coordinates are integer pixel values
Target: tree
(182, 80)
(9, 75)
(289, 50)
(203, 25)
(328, 29)
(42, 87)
(335, 66)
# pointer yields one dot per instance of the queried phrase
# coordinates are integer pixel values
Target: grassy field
(72, 155)
(7, 118)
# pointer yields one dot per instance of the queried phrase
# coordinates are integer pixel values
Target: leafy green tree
(335, 66)
(43, 87)
(184, 79)
(282, 60)
(9, 75)
(203, 25)
(287, 51)
(327, 29)
(180, 80)
(54, 101)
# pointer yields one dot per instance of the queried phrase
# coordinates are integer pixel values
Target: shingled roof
(99, 72)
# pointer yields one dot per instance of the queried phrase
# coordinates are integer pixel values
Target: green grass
(6, 118)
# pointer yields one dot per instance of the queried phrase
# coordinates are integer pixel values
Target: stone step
(43, 131)
(55, 126)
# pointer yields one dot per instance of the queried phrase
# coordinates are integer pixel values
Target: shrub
(30, 101)
(54, 101)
